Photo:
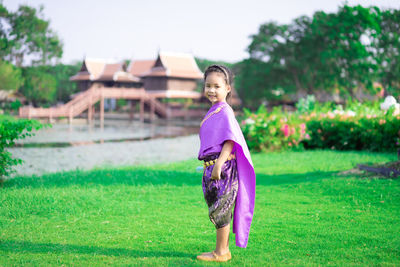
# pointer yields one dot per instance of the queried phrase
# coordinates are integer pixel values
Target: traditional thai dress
(237, 184)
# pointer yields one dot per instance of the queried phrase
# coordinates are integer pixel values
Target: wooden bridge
(87, 99)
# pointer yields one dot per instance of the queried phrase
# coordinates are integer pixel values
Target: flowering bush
(272, 131)
(359, 127)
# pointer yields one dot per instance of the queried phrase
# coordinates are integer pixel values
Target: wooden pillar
(131, 111)
(90, 112)
(71, 116)
(50, 115)
(152, 109)
(102, 111)
(142, 109)
(93, 112)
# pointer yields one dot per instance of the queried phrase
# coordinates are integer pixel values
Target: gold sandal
(215, 257)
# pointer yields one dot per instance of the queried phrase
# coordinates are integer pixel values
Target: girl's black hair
(221, 69)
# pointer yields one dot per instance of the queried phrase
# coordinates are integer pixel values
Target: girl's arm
(225, 152)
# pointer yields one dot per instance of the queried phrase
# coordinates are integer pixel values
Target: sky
(138, 29)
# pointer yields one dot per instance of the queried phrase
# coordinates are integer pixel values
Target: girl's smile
(215, 88)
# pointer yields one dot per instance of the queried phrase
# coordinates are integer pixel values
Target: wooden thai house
(169, 72)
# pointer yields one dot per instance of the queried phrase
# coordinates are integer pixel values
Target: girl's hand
(216, 172)
(226, 150)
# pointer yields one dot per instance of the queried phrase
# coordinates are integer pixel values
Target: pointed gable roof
(178, 65)
(140, 67)
(103, 70)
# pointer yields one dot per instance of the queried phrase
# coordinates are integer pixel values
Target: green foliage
(204, 63)
(25, 32)
(388, 54)
(306, 105)
(354, 133)
(40, 86)
(343, 52)
(257, 82)
(10, 107)
(10, 76)
(10, 131)
(61, 73)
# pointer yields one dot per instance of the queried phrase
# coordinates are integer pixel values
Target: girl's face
(215, 88)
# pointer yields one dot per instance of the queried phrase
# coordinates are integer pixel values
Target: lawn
(305, 214)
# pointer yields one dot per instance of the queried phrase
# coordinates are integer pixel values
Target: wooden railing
(86, 100)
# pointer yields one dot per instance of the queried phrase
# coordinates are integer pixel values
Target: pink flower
(290, 144)
(285, 130)
(292, 130)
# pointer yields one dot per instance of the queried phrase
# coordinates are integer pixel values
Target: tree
(204, 63)
(40, 86)
(62, 73)
(10, 76)
(4, 28)
(348, 45)
(388, 51)
(26, 36)
(344, 51)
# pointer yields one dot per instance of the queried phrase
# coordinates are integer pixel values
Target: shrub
(371, 133)
(360, 127)
(11, 130)
(272, 131)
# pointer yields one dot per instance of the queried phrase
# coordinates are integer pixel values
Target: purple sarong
(219, 126)
(220, 195)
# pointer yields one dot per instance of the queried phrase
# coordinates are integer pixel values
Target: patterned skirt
(220, 195)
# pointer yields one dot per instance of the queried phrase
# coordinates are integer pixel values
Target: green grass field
(305, 215)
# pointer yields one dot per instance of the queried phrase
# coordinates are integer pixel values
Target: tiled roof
(177, 65)
(139, 67)
(108, 71)
(103, 70)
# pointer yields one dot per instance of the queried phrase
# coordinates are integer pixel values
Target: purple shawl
(216, 129)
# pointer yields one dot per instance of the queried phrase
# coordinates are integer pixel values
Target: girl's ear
(228, 88)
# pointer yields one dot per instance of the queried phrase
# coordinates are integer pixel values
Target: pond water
(114, 130)
(66, 147)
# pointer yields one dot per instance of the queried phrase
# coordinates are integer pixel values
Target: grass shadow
(145, 176)
(29, 247)
(293, 178)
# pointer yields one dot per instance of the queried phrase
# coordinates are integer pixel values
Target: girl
(228, 178)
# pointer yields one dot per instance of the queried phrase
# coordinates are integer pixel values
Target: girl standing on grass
(228, 177)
